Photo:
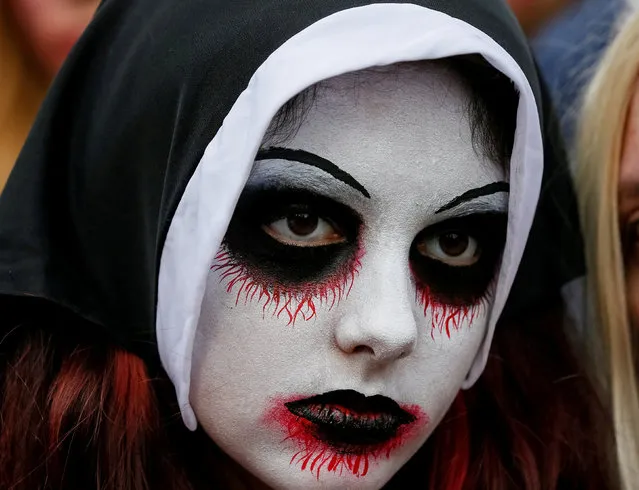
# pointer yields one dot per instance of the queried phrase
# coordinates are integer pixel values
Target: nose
(381, 325)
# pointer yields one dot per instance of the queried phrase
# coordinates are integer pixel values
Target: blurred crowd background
(35, 38)
(36, 35)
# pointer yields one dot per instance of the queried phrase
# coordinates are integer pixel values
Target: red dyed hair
(81, 414)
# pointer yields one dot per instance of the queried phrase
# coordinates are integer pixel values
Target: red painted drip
(315, 455)
(445, 317)
(291, 303)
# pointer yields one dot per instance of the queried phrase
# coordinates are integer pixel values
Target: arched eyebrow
(308, 158)
(472, 194)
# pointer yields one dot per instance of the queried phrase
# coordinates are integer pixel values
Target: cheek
(442, 365)
(246, 351)
(444, 361)
(243, 358)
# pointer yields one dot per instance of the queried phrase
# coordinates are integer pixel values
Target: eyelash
(292, 301)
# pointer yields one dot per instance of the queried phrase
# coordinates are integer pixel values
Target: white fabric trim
(350, 40)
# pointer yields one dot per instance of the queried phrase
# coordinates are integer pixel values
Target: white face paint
(351, 265)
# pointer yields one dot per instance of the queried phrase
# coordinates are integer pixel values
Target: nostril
(363, 349)
(403, 354)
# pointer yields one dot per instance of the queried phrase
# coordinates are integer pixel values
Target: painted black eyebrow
(302, 156)
(486, 190)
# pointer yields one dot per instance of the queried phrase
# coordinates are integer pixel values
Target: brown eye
(453, 244)
(304, 229)
(302, 224)
(451, 248)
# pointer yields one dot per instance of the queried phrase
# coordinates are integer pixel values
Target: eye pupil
(454, 244)
(302, 224)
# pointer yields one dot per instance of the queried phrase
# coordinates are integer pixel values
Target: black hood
(85, 214)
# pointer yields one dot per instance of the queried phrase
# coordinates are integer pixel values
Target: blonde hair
(22, 88)
(600, 143)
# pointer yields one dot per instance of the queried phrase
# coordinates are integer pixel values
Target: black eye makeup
(292, 250)
(293, 235)
(454, 262)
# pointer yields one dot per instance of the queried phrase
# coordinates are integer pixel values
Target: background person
(608, 184)
(35, 38)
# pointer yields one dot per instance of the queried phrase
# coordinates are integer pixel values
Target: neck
(22, 89)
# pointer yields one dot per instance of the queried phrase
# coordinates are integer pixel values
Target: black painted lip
(349, 418)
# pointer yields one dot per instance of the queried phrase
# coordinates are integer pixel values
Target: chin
(335, 440)
(292, 478)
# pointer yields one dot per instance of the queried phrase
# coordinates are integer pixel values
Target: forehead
(404, 126)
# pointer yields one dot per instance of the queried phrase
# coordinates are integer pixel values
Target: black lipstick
(347, 419)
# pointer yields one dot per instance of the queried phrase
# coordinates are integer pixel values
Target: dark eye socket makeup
(294, 265)
(463, 285)
(247, 240)
(273, 235)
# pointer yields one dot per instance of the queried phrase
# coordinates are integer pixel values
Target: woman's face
(629, 207)
(350, 297)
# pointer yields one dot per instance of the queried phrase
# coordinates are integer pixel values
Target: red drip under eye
(290, 302)
(292, 251)
(445, 317)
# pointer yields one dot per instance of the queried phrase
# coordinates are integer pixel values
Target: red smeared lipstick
(344, 431)
(348, 420)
